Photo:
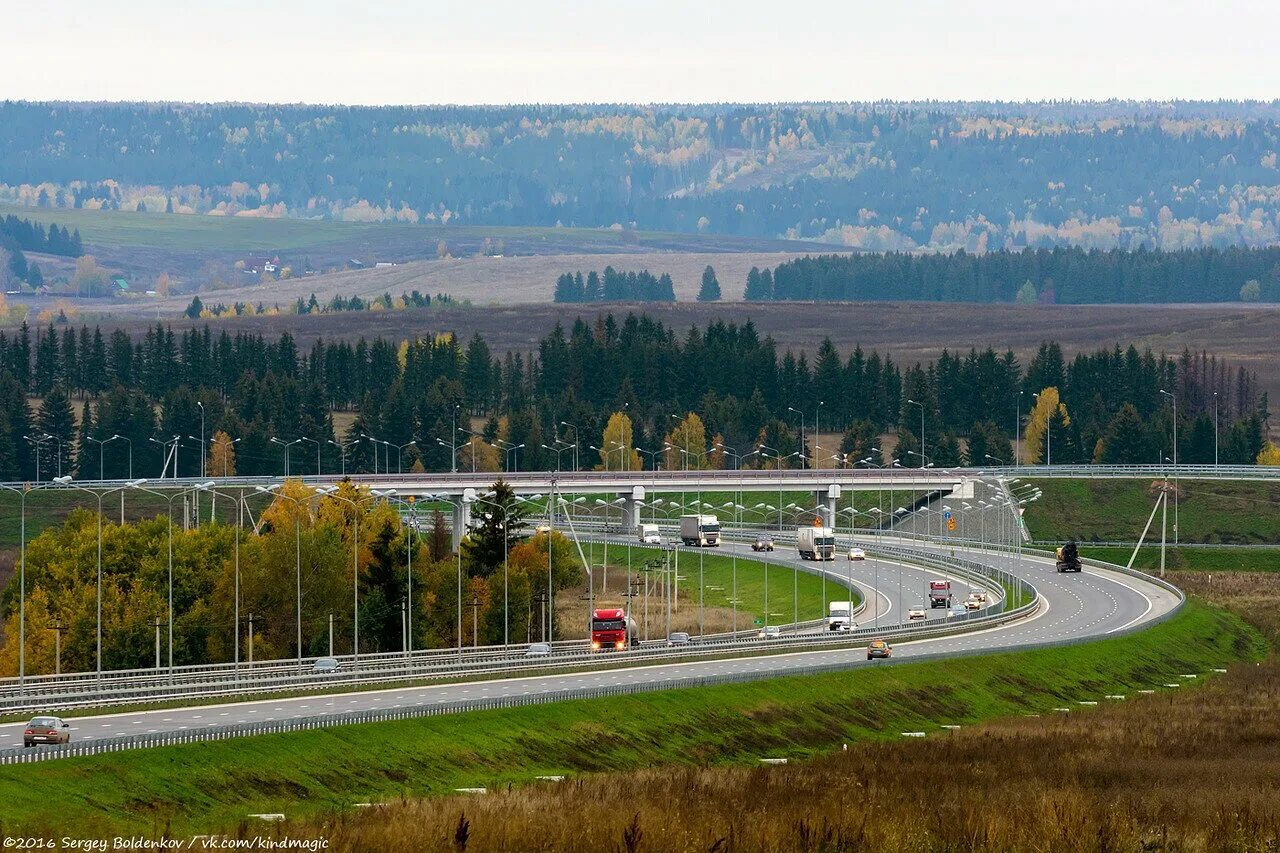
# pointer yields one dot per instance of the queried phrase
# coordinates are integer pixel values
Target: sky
(538, 51)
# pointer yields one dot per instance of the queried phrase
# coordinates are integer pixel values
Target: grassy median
(215, 785)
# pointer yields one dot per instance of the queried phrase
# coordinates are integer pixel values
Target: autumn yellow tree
(162, 285)
(222, 455)
(689, 436)
(616, 442)
(483, 454)
(1047, 406)
(1269, 455)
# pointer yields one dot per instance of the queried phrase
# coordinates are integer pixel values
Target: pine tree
(57, 420)
(710, 289)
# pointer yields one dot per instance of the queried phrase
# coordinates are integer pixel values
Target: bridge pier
(827, 501)
(631, 503)
(461, 521)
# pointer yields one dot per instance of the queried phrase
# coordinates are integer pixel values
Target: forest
(217, 564)
(880, 177)
(1040, 276)
(716, 391)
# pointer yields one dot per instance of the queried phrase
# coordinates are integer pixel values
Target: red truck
(939, 593)
(611, 630)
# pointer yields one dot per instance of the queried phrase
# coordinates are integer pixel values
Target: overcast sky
(508, 51)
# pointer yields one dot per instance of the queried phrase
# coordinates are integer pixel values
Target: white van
(648, 534)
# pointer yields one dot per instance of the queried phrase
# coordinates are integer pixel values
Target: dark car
(764, 543)
(878, 649)
(46, 730)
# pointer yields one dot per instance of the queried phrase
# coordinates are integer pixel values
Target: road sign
(951, 524)
(759, 621)
(946, 514)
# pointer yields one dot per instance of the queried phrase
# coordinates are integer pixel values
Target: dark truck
(1069, 558)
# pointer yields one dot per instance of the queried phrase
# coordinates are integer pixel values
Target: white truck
(700, 531)
(648, 534)
(840, 616)
(816, 543)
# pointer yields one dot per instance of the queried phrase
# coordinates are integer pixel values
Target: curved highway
(1093, 603)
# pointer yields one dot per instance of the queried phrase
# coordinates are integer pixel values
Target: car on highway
(980, 595)
(678, 638)
(538, 650)
(46, 730)
(764, 543)
(878, 649)
(543, 529)
(770, 632)
(325, 666)
(857, 554)
(917, 613)
(972, 603)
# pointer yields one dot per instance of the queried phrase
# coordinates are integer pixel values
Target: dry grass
(1193, 769)
(909, 332)
(500, 281)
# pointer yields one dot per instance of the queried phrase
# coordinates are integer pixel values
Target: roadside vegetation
(1116, 511)
(315, 778)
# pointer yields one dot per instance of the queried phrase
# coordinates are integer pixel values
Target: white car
(857, 554)
(972, 604)
(980, 595)
(917, 613)
(770, 632)
(538, 650)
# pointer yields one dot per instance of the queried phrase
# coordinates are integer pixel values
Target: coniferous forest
(411, 396)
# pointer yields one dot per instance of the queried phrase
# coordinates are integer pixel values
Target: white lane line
(1135, 592)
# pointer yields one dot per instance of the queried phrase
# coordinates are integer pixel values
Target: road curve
(1094, 603)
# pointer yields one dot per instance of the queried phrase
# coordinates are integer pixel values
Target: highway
(1091, 604)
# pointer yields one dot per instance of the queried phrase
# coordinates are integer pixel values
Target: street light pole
(1175, 463)
(921, 405)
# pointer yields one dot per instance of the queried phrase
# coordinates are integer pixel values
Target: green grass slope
(1117, 510)
(199, 787)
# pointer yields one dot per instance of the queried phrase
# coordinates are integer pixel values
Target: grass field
(239, 233)
(215, 785)
(1192, 559)
(1117, 510)
(49, 508)
(709, 576)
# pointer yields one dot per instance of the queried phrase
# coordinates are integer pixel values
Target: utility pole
(475, 621)
(250, 639)
(330, 634)
(157, 624)
(57, 627)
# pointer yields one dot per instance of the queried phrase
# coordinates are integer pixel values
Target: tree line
(615, 286)
(871, 176)
(1035, 276)
(502, 599)
(433, 403)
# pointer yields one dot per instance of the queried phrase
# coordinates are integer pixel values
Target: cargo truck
(816, 543)
(612, 630)
(1069, 558)
(939, 593)
(700, 531)
(648, 534)
(840, 616)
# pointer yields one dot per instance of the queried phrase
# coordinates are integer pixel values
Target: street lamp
(343, 450)
(274, 490)
(331, 492)
(286, 445)
(921, 405)
(573, 427)
(1174, 400)
(802, 454)
(137, 484)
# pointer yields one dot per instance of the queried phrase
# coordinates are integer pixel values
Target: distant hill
(946, 176)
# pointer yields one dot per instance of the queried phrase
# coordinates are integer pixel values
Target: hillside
(881, 176)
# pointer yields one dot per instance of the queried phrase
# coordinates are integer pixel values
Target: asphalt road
(1093, 603)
